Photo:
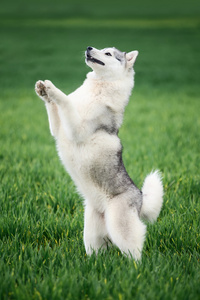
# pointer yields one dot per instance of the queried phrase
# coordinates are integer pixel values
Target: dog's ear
(131, 58)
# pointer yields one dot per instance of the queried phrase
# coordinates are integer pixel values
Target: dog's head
(110, 61)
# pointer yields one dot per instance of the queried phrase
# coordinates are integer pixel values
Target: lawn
(41, 215)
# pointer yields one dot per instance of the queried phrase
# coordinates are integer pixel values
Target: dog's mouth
(94, 60)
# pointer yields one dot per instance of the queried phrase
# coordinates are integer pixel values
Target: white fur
(73, 122)
(152, 196)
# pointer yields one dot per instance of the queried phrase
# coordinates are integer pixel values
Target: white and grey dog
(85, 126)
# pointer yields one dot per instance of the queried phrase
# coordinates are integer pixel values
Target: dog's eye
(108, 54)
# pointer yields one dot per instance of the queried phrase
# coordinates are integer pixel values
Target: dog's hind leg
(94, 230)
(124, 227)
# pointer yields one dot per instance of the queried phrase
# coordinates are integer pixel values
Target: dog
(85, 125)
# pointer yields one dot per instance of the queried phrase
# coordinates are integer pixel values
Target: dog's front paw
(43, 89)
(40, 89)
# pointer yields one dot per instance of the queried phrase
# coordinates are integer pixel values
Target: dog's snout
(89, 48)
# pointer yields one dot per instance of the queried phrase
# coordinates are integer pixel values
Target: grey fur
(108, 124)
(111, 176)
(119, 55)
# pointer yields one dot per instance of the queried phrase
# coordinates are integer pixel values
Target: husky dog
(85, 126)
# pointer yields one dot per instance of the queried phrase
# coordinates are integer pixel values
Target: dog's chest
(79, 161)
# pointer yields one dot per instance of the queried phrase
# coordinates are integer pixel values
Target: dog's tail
(152, 196)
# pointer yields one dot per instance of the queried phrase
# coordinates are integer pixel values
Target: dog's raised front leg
(68, 115)
(51, 107)
(47, 91)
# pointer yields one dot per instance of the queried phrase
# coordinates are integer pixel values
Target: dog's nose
(89, 48)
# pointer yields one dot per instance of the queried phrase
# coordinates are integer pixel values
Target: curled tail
(152, 196)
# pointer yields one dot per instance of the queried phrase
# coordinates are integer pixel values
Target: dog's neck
(119, 84)
(111, 89)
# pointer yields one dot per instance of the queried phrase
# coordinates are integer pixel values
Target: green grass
(41, 215)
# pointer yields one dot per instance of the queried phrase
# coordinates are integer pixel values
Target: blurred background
(47, 39)
(41, 215)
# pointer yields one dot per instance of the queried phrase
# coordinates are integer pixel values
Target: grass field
(41, 215)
